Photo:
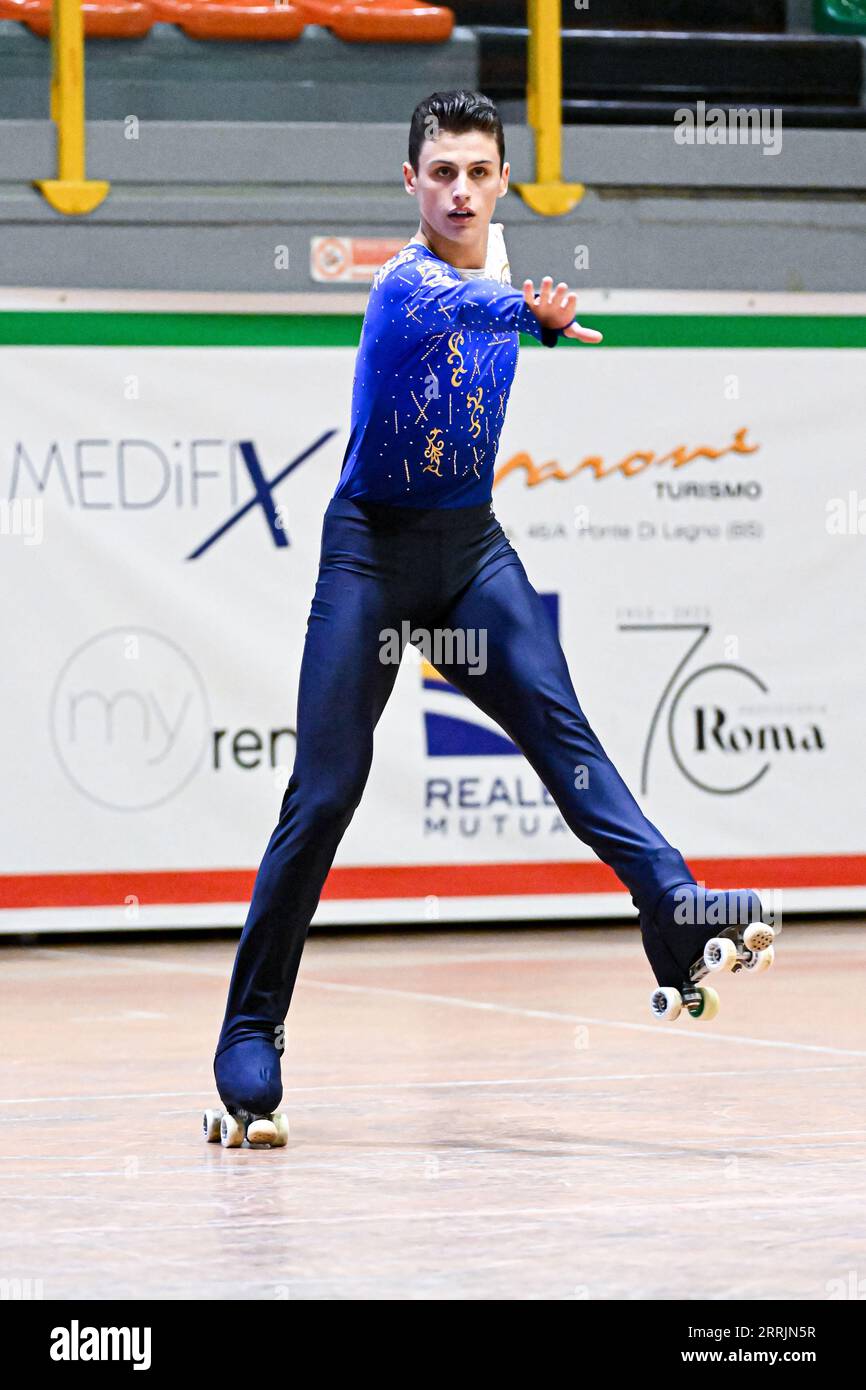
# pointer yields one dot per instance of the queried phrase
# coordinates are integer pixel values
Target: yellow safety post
(549, 195)
(70, 192)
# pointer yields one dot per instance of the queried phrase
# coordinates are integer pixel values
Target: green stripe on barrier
(85, 328)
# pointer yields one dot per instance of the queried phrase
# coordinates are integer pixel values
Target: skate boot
(696, 931)
(248, 1080)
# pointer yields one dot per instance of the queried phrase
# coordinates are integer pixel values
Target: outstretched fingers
(556, 308)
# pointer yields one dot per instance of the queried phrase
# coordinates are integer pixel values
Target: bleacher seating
(373, 21)
(642, 76)
(381, 21)
(624, 61)
(231, 19)
(681, 16)
(219, 146)
(103, 19)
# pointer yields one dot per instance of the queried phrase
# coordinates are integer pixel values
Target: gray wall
(202, 206)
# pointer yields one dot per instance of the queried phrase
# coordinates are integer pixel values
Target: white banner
(695, 517)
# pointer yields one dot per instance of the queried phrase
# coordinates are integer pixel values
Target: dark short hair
(456, 112)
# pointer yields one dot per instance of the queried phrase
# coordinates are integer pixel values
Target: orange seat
(231, 19)
(380, 21)
(357, 21)
(103, 19)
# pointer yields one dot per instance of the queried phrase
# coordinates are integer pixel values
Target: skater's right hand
(555, 308)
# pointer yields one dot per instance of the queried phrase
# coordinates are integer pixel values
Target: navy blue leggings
(379, 567)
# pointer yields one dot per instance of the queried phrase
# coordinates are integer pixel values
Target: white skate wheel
(761, 961)
(666, 1003)
(720, 953)
(281, 1124)
(231, 1132)
(211, 1125)
(262, 1132)
(758, 937)
(770, 917)
(709, 1005)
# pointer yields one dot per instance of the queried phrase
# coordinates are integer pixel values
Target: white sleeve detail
(496, 266)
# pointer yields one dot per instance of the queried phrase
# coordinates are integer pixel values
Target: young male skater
(410, 536)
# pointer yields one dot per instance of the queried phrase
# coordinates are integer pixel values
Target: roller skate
(231, 1127)
(247, 1074)
(695, 932)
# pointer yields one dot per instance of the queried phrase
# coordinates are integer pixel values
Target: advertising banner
(688, 498)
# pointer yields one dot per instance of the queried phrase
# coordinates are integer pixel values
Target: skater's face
(458, 182)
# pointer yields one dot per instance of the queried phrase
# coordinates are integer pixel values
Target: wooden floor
(474, 1115)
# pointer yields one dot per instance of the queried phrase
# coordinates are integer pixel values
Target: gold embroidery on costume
(433, 452)
(476, 409)
(454, 353)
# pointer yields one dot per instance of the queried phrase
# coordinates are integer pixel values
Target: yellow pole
(531, 62)
(548, 195)
(71, 192)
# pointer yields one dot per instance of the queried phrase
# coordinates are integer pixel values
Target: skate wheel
(666, 1003)
(231, 1132)
(758, 937)
(709, 1005)
(769, 918)
(281, 1124)
(211, 1125)
(761, 961)
(720, 953)
(262, 1132)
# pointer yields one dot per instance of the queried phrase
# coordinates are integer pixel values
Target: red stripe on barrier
(152, 888)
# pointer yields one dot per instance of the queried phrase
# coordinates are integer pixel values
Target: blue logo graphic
(263, 496)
